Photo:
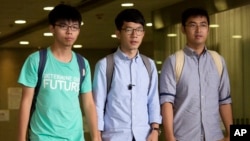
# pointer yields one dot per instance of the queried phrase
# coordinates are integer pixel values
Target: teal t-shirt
(58, 114)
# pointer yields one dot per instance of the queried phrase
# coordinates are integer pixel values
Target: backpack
(42, 62)
(180, 62)
(110, 68)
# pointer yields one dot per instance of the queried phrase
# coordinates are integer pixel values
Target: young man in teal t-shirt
(57, 114)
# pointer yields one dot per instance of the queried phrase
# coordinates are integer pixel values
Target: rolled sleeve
(224, 89)
(167, 81)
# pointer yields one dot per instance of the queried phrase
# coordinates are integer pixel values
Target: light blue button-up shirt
(196, 97)
(124, 113)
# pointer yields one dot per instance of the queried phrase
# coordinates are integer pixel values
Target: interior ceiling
(98, 17)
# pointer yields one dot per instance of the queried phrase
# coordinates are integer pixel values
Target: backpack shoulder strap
(217, 60)
(42, 62)
(81, 64)
(109, 70)
(147, 64)
(179, 62)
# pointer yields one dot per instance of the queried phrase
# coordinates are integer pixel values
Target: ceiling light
(236, 36)
(158, 62)
(213, 25)
(77, 46)
(24, 42)
(127, 4)
(149, 24)
(48, 8)
(113, 36)
(158, 20)
(221, 4)
(47, 34)
(20, 21)
(172, 35)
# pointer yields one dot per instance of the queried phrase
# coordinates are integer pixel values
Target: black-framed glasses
(66, 27)
(139, 31)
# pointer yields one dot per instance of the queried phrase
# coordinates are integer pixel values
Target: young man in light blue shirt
(130, 109)
(194, 104)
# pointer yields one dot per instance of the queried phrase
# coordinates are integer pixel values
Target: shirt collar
(189, 51)
(123, 56)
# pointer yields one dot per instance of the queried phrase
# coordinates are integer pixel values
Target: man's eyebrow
(192, 22)
(204, 22)
(62, 22)
(132, 27)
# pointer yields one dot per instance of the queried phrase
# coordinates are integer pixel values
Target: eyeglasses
(139, 31)
(194, 26)
(66, 27)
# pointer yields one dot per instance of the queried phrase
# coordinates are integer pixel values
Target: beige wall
(10, 62)
(235, 51)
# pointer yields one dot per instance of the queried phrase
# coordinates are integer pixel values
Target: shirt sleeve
(168, 80)
(29, 72)
(224, 89)
(153, 97)
(100, 91)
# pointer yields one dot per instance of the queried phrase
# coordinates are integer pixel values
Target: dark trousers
(133, 139)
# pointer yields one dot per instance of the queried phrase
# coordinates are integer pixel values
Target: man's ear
(118, 34)
(183, 30)
(51, 28)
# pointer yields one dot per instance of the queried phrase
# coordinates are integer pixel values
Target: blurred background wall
(231, 38)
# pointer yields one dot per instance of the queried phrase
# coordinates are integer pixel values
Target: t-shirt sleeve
(28, 75)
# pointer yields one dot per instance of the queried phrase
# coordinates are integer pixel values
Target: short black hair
(193, 12)
(64, 12)
(129, 15)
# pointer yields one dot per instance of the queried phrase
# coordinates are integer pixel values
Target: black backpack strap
(81, 64)
(42, 62)
(109, 70)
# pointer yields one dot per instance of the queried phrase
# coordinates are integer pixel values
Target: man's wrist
(158, 130)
